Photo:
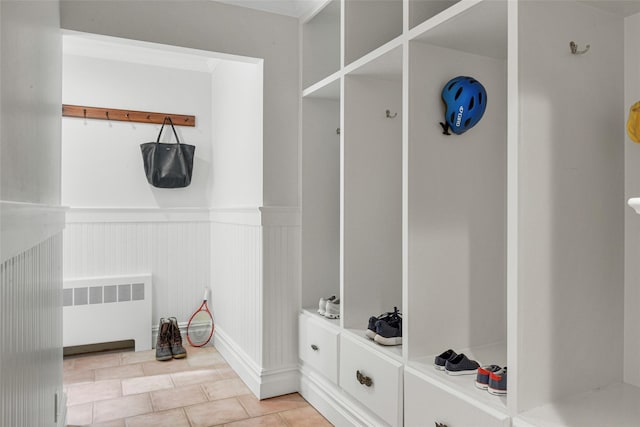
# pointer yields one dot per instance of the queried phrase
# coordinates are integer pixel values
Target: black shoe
(389, 330)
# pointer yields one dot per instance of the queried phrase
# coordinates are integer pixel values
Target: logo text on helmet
(459, 118)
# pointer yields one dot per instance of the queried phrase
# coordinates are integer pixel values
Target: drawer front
(372, 378)
(319, 346)
(426, 405)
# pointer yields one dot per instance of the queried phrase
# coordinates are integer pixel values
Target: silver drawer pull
(363, 379)
(314, 347)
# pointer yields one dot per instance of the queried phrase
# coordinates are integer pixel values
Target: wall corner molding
(77, 215)
(280, 216)
(26, 225)
(268, 216)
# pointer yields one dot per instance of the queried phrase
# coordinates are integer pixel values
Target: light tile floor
(130, 389)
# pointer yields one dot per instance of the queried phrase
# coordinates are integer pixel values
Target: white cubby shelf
(510, 243)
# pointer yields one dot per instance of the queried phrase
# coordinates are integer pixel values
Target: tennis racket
(200, 327)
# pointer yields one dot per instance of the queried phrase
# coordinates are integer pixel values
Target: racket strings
(200, 328)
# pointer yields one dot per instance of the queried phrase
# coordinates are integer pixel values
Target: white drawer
(426, 404)
(318, 346)
(383, 394)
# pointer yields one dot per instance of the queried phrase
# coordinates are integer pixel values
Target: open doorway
(118, 226)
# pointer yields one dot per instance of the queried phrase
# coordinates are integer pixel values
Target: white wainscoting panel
(281, 245)
(173, 246)
(236, 298)
(256, 272)
(31, 336)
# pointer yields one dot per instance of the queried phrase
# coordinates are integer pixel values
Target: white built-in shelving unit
(507, 243)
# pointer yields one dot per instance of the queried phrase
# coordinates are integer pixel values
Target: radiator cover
(105, 309)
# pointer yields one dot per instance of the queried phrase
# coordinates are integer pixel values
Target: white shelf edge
(316, 87)
(374, 54)
(498, 411)
(464, 385)
(312, 312)
(635, 204)
(613, 405)
(495, 405)
(442, 17)
(394, 352)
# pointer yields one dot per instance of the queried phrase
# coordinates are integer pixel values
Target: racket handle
(206, 294)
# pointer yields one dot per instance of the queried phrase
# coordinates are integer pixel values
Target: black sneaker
(371, 328)
(442, 358)
(461, 365)
(389, 330)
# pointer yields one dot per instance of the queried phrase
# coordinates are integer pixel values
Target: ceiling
(300, 8)
(618, 7)
(296, 8)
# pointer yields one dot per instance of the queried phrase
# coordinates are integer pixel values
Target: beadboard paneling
(31, 335)
(236, 300)
(281, 245)
(175, 250)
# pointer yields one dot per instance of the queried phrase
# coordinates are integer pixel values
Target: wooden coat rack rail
(125, 115)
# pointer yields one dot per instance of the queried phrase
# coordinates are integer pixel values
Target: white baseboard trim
(238, 360)
(333, 403)
(262, 383)
(279, 382)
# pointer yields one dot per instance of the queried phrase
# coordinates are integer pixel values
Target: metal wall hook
(391, 116)
(574, 49)
(338, 131)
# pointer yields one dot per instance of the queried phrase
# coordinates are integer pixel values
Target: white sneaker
(322, 304)
(332, 311)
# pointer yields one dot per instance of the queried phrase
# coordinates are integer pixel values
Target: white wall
(228, 29)
(237, 134)
(30, 216)
(632, 220)
(571, 201)
(30, 102)
(101, 161)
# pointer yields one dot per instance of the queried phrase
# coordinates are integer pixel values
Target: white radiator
(106, 309)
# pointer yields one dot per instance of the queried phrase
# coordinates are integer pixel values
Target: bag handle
(174, 129)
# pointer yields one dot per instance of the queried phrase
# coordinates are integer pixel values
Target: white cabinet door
(426, 405)
(372, 378)
(319, 346)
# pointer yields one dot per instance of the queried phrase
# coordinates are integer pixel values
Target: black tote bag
(168, 165)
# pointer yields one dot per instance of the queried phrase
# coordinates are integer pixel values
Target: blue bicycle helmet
(466, 100)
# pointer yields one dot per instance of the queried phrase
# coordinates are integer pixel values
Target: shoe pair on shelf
(386, 329)
(455, 364)
(169, 342)
(329, 307)
(492, 378)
